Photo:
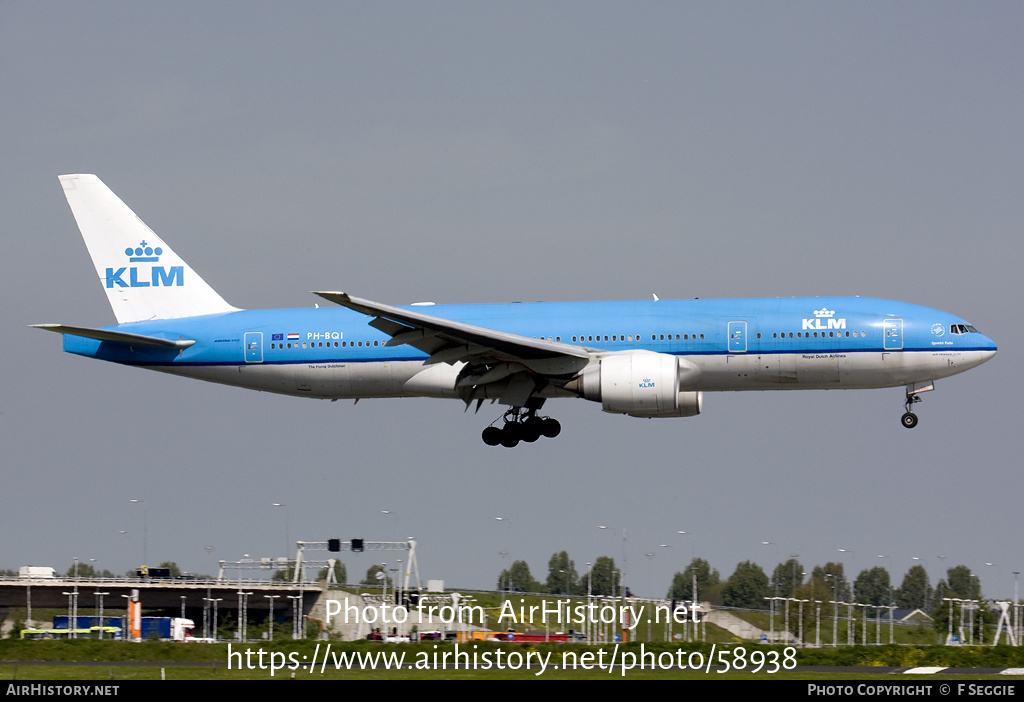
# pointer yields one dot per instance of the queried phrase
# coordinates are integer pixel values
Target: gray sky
(484, 152)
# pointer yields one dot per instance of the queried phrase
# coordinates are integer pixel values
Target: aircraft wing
(443, 338)
(522, 364)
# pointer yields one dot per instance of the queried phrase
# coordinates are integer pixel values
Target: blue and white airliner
(652, 358)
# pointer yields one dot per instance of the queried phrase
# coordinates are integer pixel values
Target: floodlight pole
(99, 595)
(296, 615)
(270, 635)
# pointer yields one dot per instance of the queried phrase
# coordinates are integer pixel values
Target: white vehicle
(37, 572)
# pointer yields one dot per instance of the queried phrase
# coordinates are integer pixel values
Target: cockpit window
(962, 329)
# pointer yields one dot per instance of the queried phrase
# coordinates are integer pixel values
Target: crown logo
(143, 253)
(824, 312)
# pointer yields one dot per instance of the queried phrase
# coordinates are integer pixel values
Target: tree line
(749, 585)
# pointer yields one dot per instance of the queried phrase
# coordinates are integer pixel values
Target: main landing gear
(521, 426)
(909, 419)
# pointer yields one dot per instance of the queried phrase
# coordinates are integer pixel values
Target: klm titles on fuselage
(159, 276)
(823, 320)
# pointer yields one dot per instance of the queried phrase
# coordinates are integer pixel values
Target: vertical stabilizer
(142, 277)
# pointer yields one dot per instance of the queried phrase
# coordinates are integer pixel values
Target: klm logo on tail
(159, 276)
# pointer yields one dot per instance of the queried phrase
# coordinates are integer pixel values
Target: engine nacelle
(640, 384)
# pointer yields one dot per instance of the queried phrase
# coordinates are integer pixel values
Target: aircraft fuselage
(735, 344)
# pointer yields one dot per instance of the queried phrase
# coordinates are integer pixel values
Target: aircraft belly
(321, 380)
(366, 380)
(809, 371)
(279, 379)
(751, 371)
(820, 369)
(918, 366)
(725, 372)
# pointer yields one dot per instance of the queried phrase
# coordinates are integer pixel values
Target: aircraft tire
(551, 428)
(531, 430)
(909, 420)
(492, 436)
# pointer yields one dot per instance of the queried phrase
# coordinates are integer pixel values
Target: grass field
(83, 660)
(109, 673)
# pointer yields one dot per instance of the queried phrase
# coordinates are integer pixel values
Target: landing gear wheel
(532, 429)
(520, 425)
(492, 436)
(511, 433)
(550, 428)
(909, 420)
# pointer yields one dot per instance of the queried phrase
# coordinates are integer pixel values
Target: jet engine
(640, 384)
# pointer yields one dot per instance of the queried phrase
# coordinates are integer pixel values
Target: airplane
(650, 358)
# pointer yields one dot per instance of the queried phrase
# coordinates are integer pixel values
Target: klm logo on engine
(157, 277)
(823, 319)
(647, 383)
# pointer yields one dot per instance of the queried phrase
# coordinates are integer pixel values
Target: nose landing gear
(909, 419)
(521, 426)
(914, 390)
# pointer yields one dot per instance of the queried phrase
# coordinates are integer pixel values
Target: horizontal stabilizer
(118, 337)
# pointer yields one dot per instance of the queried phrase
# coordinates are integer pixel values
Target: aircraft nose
(988, 349)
